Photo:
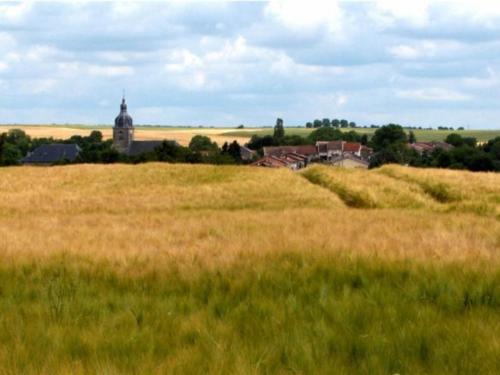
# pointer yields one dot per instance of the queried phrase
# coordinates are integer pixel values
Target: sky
(417, 63)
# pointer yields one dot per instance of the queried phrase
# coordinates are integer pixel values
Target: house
(342, 153)
(270, 161)
(247, 154)
(123, 135)
(348, 160)
(428, 147)
(291, 160)
(309, 151)
(52, 154)
(329, 150)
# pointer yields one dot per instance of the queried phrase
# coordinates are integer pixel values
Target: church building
(123, 135)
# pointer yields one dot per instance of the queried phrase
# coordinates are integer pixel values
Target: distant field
(180, 134)
(159, 268)
(422, 135)
(183, 135)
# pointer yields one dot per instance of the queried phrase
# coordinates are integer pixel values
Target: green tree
(389, 135)
(352, 124)
(411, 137)
(201, 143)
(344, 123)
(326, 123)
(325, 134)
(336, 123)
(317, 123)
(309, 125)
(279, 130)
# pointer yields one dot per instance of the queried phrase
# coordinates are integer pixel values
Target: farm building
(422, 147)
(291, 160)
(349, 161)
(52, 154)
(246, 153)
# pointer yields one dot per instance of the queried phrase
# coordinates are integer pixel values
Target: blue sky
(424, 63)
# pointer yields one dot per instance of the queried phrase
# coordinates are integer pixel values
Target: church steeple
(123, 131)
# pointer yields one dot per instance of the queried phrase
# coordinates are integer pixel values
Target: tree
(325, 134)
(344, 123)
(202, 143)
(326, 123)
(454, 139)
(411, 137)
(234, 150)
(309, 125)
(95, 136)
(11, 155)
(279, 130)
(389, 135)
(317, 123)
(352, 124)
(336, 123)
(257, 143)
(364, 139)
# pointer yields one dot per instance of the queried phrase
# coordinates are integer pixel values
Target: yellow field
(181, 135)
(214, 214)
(199, 269)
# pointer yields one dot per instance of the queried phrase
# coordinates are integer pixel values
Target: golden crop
(217, 214)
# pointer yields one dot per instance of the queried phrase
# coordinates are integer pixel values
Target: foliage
(325, 134)
(202, 143)
(391, 135)
(279, 130)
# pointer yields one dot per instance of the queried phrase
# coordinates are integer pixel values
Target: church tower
(123, 131)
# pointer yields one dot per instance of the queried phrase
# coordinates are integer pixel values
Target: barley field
(159, 268)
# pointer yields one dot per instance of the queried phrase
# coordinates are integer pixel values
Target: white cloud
(389, 12)
(302, 15)
(14, 12)
(3, 66)
(438, 94)
(110, 70)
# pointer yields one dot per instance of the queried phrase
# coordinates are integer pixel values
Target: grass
(160, 268)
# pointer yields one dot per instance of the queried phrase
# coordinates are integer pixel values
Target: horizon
(222, 64)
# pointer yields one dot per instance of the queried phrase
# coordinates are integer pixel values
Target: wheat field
(181, 135)
(159, 268)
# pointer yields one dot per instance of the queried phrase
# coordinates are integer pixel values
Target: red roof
(352, 147)
(281, 150)
(335, 145)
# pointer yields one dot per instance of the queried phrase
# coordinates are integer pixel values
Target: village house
(52, 154)
(247, 154)
(290, 160)
(428, 147)
(339, 153)
(308, 151)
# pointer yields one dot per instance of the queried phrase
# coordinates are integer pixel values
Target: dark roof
(142, 147)
(280, 150)
(52, 153)
(123, 120)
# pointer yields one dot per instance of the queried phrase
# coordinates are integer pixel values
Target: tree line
(15, 144)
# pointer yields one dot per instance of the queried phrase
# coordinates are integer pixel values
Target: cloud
(248, 62)
(306, 15)
(437, 94)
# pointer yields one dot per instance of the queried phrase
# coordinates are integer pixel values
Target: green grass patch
(273, 314)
